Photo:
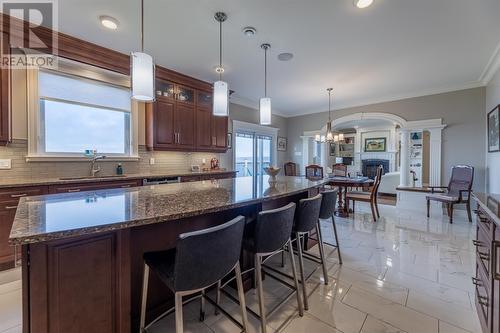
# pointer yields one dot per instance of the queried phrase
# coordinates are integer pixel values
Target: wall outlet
(151, 161)
(5, 164)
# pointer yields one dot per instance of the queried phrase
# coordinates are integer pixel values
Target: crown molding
(491, 68)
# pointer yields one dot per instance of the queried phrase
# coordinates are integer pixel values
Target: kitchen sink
(90, 177)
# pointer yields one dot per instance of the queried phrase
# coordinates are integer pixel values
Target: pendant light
(265, 102)
(329, 134)
(142, 70)
(221, 88)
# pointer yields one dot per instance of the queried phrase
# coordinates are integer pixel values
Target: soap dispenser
(119, 169)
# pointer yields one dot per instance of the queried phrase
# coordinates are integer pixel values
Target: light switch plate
(5, 164)
(151, 161)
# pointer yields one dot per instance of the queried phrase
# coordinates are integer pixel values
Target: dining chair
(290, 169)
(370, 197)
(339, 170)
(314, 171)
(462, 177)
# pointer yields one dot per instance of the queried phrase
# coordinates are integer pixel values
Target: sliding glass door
(253, 153)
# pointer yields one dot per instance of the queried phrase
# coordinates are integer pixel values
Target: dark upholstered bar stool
(201, 259)
(327, 212)
(265, 237)
(306, 220)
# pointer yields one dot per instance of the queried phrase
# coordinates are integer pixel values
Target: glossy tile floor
(403, 273)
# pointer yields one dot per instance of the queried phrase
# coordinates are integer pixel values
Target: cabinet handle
(178, 137)
(73, 190)
(10, 207)
(475, 242)
(476, 282)
(482, 300)
(18, 195)
(484, 256)
(494, 268)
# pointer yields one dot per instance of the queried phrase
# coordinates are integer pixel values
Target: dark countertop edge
(56, 181)
(484, 206)
(81, 232)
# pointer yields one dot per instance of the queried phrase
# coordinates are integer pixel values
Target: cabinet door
(219, 133)
(4, 98)
(7, 214)
(185, 95)
(184, 125)
(164, 123)
(203, 128)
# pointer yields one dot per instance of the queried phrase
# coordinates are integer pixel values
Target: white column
(405, 158)
(435, 156)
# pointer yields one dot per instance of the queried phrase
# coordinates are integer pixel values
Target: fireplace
(369, 167)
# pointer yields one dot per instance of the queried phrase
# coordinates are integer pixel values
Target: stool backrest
(462, 177)
(314, 171)
(339, 170)
(273, 228)
(328, 204)
(204, 257)
(290, 169)
(307, 214)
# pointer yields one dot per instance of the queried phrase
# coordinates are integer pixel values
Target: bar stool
(201, 259)
(327, 212)
(265, 237)
(307, 219)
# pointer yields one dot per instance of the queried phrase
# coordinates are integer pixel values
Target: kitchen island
(82, 252)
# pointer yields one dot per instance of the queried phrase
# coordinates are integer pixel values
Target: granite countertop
(18, 182)
(58, 216)
(490, 203)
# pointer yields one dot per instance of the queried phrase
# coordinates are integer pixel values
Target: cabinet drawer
(485, 223)
(483, 249)
(483, 298)
(186, 179)
(74, 188)
(8, 205)
(14, 194)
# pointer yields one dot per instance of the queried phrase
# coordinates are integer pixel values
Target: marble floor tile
(444, 327)
(373, 325)
(393, 313)
(309, 324)
(464, 318)
(15, 329)
(10, 309)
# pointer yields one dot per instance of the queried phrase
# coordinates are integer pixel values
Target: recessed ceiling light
(249, 31)
(285, 56)
(363, 3)
(109, 22)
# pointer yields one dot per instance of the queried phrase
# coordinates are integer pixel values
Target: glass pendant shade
(143, 77)
(317, 138)
(329, 133)
(265, 111)
(336, 138)
(341, 136)
(221, 99)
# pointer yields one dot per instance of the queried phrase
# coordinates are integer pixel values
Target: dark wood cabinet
(9, 198)
(93, 186)
(5, 126)
(181, 119)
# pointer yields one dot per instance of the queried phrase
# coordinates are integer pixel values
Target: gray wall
(463, 138)
(492, 159)
(249, 115)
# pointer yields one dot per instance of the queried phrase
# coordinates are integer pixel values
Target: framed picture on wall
(493, 130)
(373, 145)
(282, 143)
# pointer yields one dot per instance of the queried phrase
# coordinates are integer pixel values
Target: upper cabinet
(181, 119)
(4, 98)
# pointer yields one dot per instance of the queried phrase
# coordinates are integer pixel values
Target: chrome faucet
(93, 161)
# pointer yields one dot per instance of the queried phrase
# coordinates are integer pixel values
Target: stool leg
(301, 267)
(179, 325)
(217, 298)
(144, 300)
(202, 306)
(283, 258)
(322, 252)
(336, 239)
(295, 279)
(260, 292)
(241, 296)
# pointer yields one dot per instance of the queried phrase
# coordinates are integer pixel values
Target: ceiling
(391, 50)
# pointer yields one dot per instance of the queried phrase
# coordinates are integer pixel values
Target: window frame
(36, 150)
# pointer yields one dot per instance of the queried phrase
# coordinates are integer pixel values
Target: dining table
(343, 183)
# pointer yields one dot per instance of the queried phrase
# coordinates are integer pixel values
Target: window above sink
(80, 107)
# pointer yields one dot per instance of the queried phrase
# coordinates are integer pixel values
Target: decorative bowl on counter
(272, 172)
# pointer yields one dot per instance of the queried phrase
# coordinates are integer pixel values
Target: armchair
(458, 191)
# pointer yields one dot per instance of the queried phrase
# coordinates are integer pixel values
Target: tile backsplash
(164, 162)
